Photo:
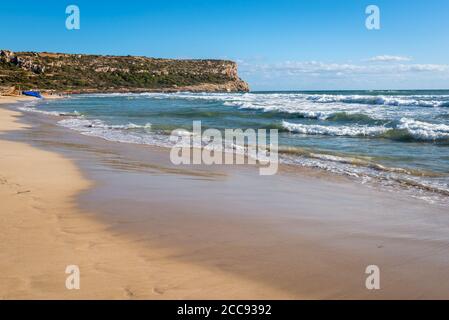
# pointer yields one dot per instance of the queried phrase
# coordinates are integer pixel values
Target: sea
(393, 139)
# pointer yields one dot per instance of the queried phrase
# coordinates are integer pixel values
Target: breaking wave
(405, 130)
(315, 129)
(417, 100)
(129, 133)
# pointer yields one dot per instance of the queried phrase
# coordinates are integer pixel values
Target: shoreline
(309, 239)
(43, 231)
(375, 170)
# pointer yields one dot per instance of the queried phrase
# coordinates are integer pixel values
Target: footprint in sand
(158, 291)
(129, 293)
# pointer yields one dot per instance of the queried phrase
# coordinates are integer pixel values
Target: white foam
(84, 124)
(423, 130)
(116, 133)
(419, 130)
(334, 130)
(415, 100)
(31, 107)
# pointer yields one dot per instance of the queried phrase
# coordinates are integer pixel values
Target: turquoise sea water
(396, 138)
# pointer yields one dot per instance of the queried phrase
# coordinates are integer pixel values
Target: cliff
(94, 73)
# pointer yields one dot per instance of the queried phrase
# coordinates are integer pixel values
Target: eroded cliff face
(94, 73)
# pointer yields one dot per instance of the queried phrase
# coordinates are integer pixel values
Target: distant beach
(140, 227)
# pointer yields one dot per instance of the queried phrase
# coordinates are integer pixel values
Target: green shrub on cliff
(54, 71)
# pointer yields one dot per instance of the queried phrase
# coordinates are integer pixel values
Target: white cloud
(387, 58)
(322, 68)
(428, 67)
(323, 75)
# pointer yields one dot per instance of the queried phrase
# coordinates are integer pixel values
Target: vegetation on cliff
(94, 73)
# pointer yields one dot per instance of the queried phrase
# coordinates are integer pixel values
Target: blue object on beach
(35, 94)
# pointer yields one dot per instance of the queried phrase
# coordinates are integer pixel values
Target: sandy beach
(43, 232)
(141, 228)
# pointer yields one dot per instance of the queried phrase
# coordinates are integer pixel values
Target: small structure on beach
(35, 94)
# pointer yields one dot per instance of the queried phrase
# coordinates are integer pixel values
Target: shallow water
(396, 138)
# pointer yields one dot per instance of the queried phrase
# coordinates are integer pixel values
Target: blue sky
(279, 45)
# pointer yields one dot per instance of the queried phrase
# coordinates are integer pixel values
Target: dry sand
(42, 232)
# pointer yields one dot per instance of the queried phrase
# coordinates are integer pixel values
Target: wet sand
(43, 231)
(140, 227)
